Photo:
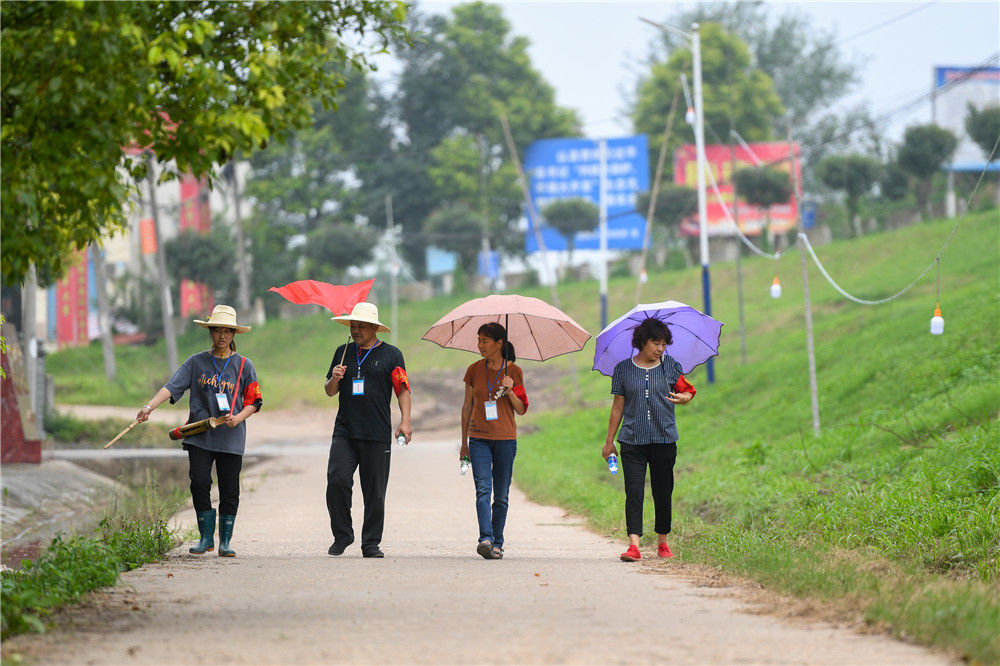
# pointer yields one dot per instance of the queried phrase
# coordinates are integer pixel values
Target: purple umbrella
(695, 335)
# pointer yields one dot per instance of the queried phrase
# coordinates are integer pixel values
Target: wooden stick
(122, 433)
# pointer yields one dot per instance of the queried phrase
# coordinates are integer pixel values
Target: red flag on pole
(335, 298)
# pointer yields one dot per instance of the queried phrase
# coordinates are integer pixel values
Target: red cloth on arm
(399, 380)
(682, 386)
(521, 394)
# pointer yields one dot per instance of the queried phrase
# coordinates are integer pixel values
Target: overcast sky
(592, 52)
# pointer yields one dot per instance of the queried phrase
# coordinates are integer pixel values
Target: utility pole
(393, 270)
(739, 254)
(166, 305)
(810, 347)
(603, 228)
(699, 140)
(485, 250)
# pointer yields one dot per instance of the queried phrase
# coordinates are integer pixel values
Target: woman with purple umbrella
(494, 392)
(646, 387)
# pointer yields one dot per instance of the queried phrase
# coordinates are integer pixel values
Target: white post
(394, 269)
(603, 230)
(699, 138)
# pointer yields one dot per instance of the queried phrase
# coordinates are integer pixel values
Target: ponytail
(496, 331)
(507, 352)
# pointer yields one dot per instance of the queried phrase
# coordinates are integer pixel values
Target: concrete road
(560, 596)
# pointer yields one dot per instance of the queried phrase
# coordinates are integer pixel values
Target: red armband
(522, 396)
(683, 386)
(399, 380)
(252, 394)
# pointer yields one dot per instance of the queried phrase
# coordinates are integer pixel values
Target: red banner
(147, 236)
(723, 161)
(195, 214)
(71, 304)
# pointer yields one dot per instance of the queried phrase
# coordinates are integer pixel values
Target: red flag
(335, 298)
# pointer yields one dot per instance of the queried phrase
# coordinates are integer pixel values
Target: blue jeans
(492, 468)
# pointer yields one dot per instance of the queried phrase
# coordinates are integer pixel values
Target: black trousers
(372, 459)
(661, 459)
(227, 470)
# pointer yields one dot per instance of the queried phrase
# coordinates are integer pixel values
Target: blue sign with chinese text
(571, 168)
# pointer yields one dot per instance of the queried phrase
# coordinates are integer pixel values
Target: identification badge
(358, 385)
(491, 410)
(223, 401)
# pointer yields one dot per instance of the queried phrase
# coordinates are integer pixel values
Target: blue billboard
(571, 168)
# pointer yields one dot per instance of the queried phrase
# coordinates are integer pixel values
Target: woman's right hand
(609, 448)
(463, 451)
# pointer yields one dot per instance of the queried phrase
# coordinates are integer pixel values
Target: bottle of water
(464, 467)
(401, 439)
(613, 463)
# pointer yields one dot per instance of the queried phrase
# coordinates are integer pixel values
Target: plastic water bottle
(613, 463)
(401, 439)
(464, 467)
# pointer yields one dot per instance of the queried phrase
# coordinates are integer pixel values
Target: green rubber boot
(225, 534)
(206, 526)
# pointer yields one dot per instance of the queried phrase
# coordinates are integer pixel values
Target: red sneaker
(631, 555)
(663, 550)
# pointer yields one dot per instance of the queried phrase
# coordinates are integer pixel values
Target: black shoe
(338, 547)
(374, 552)
(485, 548)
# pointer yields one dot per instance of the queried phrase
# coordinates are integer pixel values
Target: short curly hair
(650, 329)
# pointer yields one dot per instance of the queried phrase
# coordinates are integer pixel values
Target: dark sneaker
(485, 548)
(338, 547)
(374, 552)
(631, 555)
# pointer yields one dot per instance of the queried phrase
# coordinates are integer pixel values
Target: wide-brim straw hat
(363, 312)
(223, 316)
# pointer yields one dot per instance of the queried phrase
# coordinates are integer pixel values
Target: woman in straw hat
(223, 384)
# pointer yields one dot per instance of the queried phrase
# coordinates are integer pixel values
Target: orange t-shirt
(476, 377)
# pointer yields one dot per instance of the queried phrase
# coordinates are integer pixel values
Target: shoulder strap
(236, 390)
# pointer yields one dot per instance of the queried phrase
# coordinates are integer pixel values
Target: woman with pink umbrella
(494, 392)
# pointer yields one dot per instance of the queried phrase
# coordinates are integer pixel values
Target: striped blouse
(648, 417)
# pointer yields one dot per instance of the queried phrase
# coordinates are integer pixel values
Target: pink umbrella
(537, 330)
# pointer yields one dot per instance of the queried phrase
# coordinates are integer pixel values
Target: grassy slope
(892, 510)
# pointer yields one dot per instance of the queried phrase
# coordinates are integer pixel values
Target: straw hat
(223, 316)
(363, 312)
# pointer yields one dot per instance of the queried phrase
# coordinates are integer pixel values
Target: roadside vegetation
(891, 513)
(133, 531)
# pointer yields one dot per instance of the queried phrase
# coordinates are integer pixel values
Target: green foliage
(197, 81)
(925, 149)
(983, 126)
(70, 431)
(571, 216)
(208, 258)
(737, 95)
(855, 175)
(456, 228)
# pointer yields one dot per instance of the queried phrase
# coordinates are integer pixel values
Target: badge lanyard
(358, 384)
(220, 396)
(491, 405)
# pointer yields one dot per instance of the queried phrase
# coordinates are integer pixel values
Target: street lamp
(699, 144)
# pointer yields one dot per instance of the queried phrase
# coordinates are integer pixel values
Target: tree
(462, 72)
(570, 216)
(736, 95)
(806, 67)
(673, 204)
(763, 187)
(453, 228)
(854, 175)
(925, 148)
(206, 258)
(197, 81)
(983, 126)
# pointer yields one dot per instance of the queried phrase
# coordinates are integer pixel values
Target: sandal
(486, 549)
(497, 553)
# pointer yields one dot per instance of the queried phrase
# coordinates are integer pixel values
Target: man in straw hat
(223, 385)
(362, 373)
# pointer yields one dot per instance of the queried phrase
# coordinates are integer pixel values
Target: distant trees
(983, 126)
(855, 176)
(924, 150)
(763, 187)
(571, 216)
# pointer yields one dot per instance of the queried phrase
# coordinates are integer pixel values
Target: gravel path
(560, 596)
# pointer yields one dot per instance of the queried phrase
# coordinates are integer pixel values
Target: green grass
(892, 511)
(133, 532)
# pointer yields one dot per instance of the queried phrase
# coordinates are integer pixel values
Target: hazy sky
(592, 52)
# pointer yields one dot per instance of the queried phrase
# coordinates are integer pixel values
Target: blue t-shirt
(205, 376)
(648, 416)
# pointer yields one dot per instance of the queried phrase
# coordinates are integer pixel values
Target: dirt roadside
(559, 596)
